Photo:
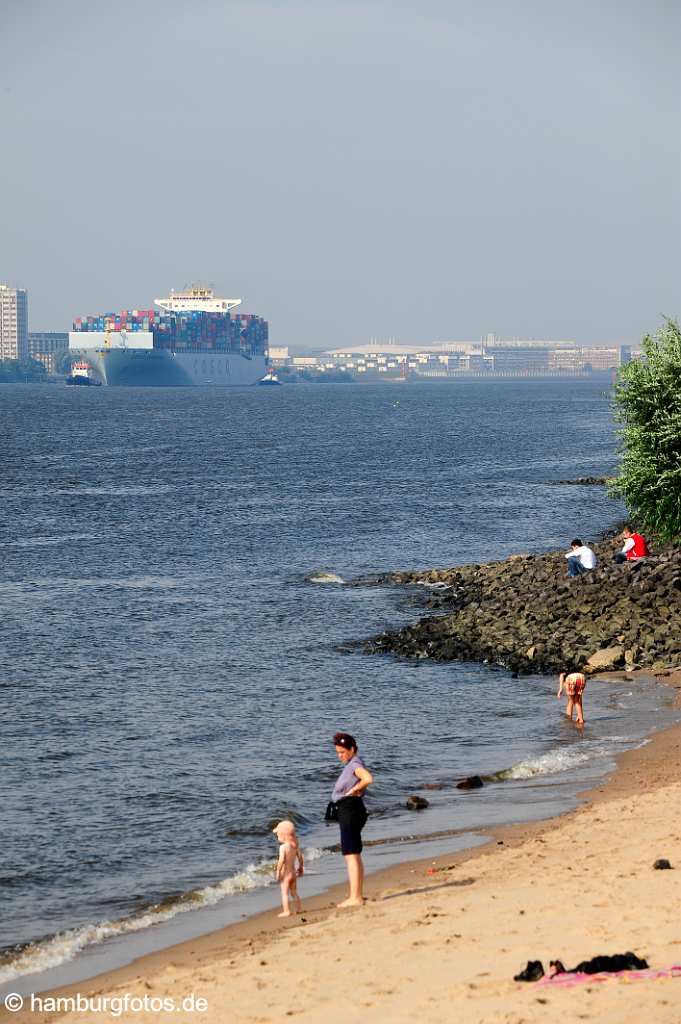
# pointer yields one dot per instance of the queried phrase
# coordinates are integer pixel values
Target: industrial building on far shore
(490, 357)
(48, 347)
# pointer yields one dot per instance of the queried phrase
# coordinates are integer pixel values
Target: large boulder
(416, 803)
(472, 782)
(524, 614)
(606, 659)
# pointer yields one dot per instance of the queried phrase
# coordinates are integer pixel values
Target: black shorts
(352, 817)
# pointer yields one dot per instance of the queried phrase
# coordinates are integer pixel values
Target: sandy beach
(441, 940)
(340, 458)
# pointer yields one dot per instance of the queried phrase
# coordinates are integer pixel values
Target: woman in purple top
(352, 815)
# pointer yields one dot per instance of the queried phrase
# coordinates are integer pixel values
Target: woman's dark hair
(576, 543)
(344, 739)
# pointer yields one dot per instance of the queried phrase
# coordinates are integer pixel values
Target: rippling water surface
(175, 630)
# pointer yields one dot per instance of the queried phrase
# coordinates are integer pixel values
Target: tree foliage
(13, 371)
(648, 404)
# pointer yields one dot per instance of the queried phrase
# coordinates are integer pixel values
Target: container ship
(193, 338)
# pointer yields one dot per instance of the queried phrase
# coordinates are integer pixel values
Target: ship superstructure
(196, 300)
(193, 338)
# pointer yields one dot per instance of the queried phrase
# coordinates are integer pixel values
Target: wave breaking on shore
(54, 950)
(324, 577)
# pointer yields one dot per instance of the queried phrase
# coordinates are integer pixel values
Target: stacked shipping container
(195, 331)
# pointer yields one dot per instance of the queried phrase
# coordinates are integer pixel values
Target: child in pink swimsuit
(574, 684)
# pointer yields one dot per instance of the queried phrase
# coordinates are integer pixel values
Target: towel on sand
(570, 978)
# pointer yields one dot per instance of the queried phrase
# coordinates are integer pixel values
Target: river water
(178, 640)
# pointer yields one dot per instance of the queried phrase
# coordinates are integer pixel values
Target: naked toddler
(290, 866)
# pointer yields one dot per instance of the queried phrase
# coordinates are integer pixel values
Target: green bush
(648, 404)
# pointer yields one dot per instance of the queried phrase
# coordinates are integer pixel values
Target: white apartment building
(13, 323)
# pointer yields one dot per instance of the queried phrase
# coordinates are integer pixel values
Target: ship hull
(164, 368)
(83, 382)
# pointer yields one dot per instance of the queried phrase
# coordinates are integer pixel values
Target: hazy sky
(424, 169)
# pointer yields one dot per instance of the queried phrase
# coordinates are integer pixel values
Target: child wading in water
(290, 866)
(575, 684)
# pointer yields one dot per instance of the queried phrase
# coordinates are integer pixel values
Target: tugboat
(270, 379)
(80, 376)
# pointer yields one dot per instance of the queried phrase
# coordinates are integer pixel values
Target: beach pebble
(416, 803)
(662, 864)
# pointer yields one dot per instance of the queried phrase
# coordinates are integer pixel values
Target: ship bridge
(199, 300)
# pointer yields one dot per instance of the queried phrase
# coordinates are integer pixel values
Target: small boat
(269, 380)
(80, 376)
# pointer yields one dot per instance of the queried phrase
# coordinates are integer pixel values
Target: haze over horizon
(430, 171)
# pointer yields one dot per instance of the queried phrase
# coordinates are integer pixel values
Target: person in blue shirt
(352, 815)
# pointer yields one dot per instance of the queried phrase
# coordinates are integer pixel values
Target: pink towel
(569, 979)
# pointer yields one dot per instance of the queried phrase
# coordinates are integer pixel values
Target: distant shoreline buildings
(13, 323)
(48, 347)
(490, 357)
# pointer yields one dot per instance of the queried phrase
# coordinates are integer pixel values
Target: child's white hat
(285, 827)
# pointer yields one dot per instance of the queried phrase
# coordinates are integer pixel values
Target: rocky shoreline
(525, 613)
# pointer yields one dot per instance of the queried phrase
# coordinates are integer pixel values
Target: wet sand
(441, 939)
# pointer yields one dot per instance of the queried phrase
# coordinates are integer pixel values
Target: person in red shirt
(634, 546)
